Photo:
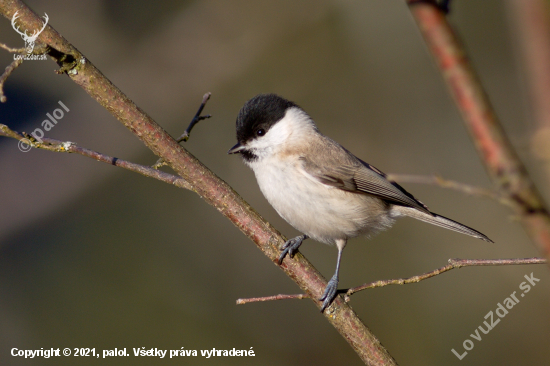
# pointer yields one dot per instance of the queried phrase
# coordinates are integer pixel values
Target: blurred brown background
(95, 256)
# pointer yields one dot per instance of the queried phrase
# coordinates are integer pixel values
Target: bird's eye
(260, 132)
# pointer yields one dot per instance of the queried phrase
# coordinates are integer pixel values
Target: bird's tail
(438, 220)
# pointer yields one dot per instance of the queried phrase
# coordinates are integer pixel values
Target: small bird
(319, 187)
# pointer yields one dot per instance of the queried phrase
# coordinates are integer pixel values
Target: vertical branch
(500, 159)
(531, 19)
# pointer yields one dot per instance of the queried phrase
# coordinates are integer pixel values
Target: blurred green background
(95, 256)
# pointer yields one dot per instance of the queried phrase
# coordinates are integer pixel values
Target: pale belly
(322, 212)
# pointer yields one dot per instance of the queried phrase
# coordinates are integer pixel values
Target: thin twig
(71, 147)
(271, 298)
(13, 50)
(39, 49)
(185, 136)
(196, 119)
(9, 69)
(446, 183)
(453, 263)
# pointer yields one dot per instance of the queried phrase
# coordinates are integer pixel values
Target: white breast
(322, 212)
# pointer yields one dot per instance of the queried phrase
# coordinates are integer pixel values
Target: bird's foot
(330, 292)
(291, 247)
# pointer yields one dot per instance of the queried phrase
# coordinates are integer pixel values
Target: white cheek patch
(289, 126)
(288, 130)
(279, 133)
(275, 136)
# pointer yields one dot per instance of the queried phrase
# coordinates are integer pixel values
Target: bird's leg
(291, 247)
(332, 285)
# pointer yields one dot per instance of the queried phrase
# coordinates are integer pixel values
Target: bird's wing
(349, 173)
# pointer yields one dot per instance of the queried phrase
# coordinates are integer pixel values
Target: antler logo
(29, 40)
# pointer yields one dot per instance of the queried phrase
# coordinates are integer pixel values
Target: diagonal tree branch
(205, 183)
(501, 161)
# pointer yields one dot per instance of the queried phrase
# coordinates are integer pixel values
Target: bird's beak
(236, 149)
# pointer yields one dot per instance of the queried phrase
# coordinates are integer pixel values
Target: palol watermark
(57, 114)
(29, 40)
(501, 311)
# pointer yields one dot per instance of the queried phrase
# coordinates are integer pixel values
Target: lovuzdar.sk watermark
(29, 39)
(493, 318)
